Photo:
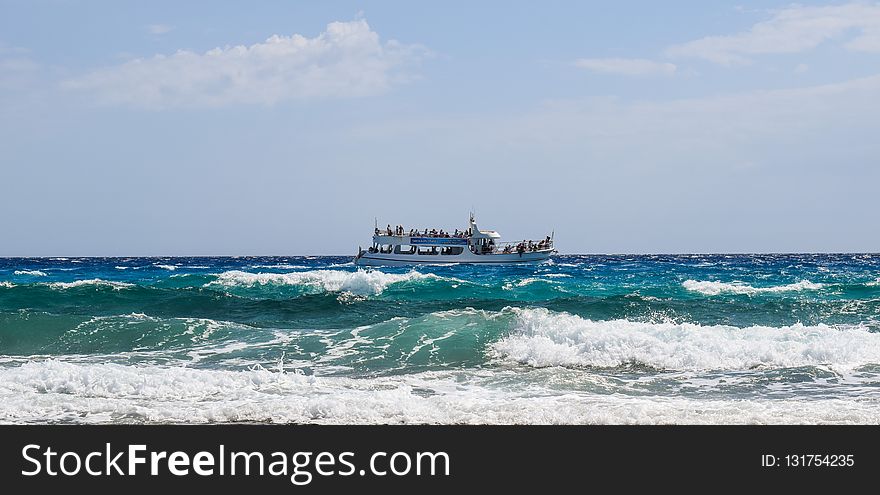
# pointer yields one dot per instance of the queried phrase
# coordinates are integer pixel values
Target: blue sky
(211, 128)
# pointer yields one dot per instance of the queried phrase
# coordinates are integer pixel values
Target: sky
(133, 128)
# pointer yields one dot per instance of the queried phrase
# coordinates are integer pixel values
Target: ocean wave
(33, 273)
(281, 266)
(6, 284)
(713, 288)
(524, 282)
(56, 391)
(543, 338)
(361, 282)
(94, 281)
(165, 267)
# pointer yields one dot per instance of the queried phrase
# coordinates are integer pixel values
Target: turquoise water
(579, 339)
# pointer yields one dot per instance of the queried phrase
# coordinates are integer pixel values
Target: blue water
(579, 339)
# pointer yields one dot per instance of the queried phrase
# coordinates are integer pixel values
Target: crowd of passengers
(528, 246)
(400, 231)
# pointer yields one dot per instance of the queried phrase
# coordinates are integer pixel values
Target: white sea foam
(713, 288)
(165, 267)
(50, 390)
(556, 275)
(525, 282)
(33, 273)
(6, 284)
(360, 282)
(93, 281)
(281, 266)
(543, 338)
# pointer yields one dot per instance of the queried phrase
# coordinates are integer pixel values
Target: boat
(399, 246)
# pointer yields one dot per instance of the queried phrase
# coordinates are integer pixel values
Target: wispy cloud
(791, 30)
(159, 29)
(17, 69)
(346, 60)
(757, 127)
(626, 66)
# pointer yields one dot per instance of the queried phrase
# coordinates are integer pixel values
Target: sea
(578, 339)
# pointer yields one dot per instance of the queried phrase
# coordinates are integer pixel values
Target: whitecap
(94, 281)
(713, 288)
(33, 273)
(360, 282)
(543, 338)
(524, 282)
(281, 266)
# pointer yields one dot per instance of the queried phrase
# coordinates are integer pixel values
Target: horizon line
(731, 253)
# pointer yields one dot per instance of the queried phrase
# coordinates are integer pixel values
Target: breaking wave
(361, 282)
(543, 338)
(56, 391)
(33, 273)
(94, 282)
(713, 288)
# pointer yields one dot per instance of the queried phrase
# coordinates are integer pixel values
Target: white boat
(405, 247)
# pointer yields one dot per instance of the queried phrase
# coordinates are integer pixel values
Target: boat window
(452, 250)
(404, 249)
(428, 250)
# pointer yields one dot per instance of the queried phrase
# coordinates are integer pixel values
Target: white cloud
(159, 29)
(791, 30)
(346, 60)
(626, 66)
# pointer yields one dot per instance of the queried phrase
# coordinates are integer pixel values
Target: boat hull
(391, 259)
